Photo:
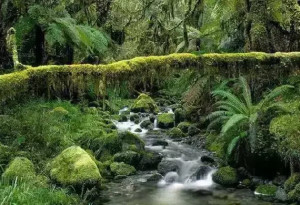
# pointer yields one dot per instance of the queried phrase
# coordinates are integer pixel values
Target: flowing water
(179, 187)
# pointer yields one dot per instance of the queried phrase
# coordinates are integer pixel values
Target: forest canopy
(102, 31)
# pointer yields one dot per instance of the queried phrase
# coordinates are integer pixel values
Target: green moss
(166, 120)
(215, 144)
(59, 80)
(21, 168)
(128, 157)
(246, 183)
(144, 103)
(60, 111)
(266, 190)
(184, 126)
(291, 182)
(286, 130)
(226, 176)
(294, 195)
(74, 166)
(176, 133)
(120, 168)
(129, 140)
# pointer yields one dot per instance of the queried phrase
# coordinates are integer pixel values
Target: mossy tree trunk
(272, 25)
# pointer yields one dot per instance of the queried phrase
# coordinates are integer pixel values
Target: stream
(176, 187)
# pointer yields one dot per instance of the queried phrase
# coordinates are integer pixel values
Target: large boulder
(144, 103)
(176, 133)
(128, 157)
(122, 169)
(150, 161)
(21, 168)
(226, 176)
(147, 124)
(179, 115)
(74, 166)
(184, 126)
(266, 191)
(128, 139)
(166, 120)
(167, 166)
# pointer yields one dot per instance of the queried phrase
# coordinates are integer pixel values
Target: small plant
(239, 116)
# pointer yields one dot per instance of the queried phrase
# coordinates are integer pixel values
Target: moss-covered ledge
(72, 81)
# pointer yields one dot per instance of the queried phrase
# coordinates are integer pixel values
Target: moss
(246, 183)
(266, 190)
(176, 133)
(129, 139)
(226, 176)
(294, 195)
(74, 166)
(120, 168)
(291, 182)
(215, 144)
(128, 157)
(144, 103)
(21, 168)
(184, 126)
(165, 120)
(75, 80)
(60, 111)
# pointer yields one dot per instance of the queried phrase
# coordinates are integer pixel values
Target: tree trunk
(103, 8)
(272, 26)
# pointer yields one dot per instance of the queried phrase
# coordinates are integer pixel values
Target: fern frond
(234, 121)
(217, 121)
(274, 93)
(232, 99)
(219, 113)
(232, 145)
(229, 106)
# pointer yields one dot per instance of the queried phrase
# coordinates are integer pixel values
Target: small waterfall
(184, 157)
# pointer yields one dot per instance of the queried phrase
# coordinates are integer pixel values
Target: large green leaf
(234, 121)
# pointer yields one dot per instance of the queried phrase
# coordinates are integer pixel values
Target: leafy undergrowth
(40, 130)
(27, 194)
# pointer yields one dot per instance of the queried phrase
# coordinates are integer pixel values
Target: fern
(240, 115)
(234, 121)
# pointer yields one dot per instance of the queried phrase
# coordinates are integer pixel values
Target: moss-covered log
(74, 81)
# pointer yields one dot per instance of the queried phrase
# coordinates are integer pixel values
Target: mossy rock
(60, 111)
(74, 166)
(144, 103)
(128, 157)
(184, 126)
(291, 182)
(226, 176)
(166, 120)
(149, 161)
(176, 133)
(122, 169)
(21, 168)
(294, 195)
(179, 115)
(127, 138)
(266, 191)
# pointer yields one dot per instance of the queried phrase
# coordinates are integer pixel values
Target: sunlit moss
(75, 81)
